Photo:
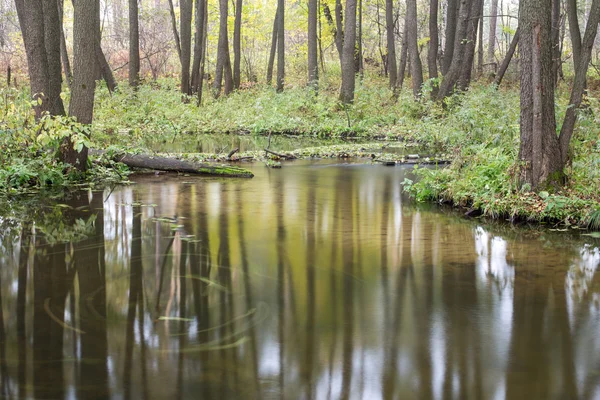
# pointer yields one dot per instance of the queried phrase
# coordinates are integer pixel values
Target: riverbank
(478, 132)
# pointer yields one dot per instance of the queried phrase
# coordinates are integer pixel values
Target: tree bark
(223, 71)
(175, 165)
(134, 44)
(31, 21)
(198, 43)
(403, 57)
(480, 40)
(391, 45)
(52, 35)
(237, 44)
(539, 150)
(280, 45)
(81, 106)
(555, 38)
(273, 48)
(451, 24)
(174, 27)
(348, 76)
(493, 27)
(458, 54)
(339, 28)
(506, 62)
(574, 31)
(469, 48)
(416, 69)
(64, 55)
(432, 54)
(185, 28)
(566, 131)
(313, 62)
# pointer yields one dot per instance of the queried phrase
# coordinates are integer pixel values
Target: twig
(232, 152)
(284, 156)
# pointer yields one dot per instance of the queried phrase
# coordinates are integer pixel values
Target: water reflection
(316, 281)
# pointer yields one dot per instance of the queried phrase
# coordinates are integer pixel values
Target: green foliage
(480, 128)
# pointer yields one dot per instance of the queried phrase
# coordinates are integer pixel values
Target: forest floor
(478, 131)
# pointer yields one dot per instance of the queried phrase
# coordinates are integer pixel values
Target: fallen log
(284, 156)
(159, 163)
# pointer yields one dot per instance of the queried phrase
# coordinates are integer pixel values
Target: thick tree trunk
(480, 40)
(31, 21)
(566, 131)
(416, 69)
(539, 151)
(391, 45)
(223, 72)
(492, 35)
(313, 62)
(185, 28)
(105, 70)
(203, 56)
(348, 76)
(134, 44)
(81, 106)
(451, 24)
(273, 48)
(506, 62)
(237, 44)
(280, 44)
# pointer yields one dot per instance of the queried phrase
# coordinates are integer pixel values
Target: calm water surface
(316, 281)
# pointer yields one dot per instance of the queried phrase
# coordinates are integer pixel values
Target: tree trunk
(223, 71)
(105, 69)
(555, 38)
(458, 54)
(339, 28)
(469, 56)
(280, 45)
(198, 43)
(273, 48)
(52, 35)
(492, 35)
(81, 106)
(451, 24)
(391, 45)
(539, 151)
(566, 131)
(348, 76)
(185, 29)
(507, 58)
(313, 62)
(174, 27)
(134, 44)
(416, 69)
(203, 55)
(64, 55)
(480, 40)
(432, 54)
(403, 57)
(574, 31)
(237, 44)
(31, 21)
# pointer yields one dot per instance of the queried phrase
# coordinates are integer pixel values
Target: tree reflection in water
(314, 281)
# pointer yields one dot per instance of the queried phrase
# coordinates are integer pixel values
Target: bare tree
(416, 68)
(185, 28)
(223, 71)
(237, 43)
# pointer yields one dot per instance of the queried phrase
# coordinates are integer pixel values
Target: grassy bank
(479, 131)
